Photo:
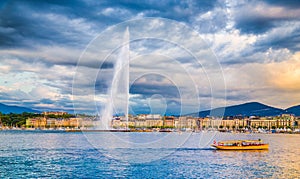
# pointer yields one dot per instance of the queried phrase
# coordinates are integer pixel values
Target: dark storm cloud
(275, 26)
(23, 23)
(17, 26)
(46, 101)
(147, 110)
(290, 40)
(20, 98)
(90, 64)
(286, 3)
(33, 24)
(254, 25)
(258, 17)
(173, 107)
(178, 10)
(147, 90)
(238, 95)
(28, 23)
(100, 87)
(62, 104)
(54, 33)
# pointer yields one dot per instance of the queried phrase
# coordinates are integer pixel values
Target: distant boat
(241, 145)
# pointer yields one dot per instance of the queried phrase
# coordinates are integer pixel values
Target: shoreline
(297, 131)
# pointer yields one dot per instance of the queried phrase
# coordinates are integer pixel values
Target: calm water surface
(25, 154)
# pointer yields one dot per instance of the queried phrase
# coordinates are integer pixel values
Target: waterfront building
(277, 122)
(169, 121)
(183, 123)
(148, 116)
(39, 122)
(43, 122)
(57, 113)
(50, 122)
(122, 123)
(141, 123)
(154, 123)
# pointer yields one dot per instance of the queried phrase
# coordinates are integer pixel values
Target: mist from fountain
(118, 92)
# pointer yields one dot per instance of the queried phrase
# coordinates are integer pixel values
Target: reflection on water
(66, 155)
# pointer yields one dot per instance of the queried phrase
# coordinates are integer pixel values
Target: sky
(185, 56)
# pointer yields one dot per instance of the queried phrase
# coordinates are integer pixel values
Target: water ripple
(61, 155)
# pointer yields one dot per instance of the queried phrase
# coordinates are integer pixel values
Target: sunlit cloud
(285, 75)
(256, 43)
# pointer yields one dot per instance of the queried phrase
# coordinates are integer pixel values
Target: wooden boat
(241, 145)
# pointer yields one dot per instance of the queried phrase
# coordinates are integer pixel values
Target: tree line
(19, 120)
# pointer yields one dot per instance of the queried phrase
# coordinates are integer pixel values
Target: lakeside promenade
(244, 130)
(285, 123)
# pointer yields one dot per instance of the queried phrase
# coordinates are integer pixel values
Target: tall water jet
(118, 93)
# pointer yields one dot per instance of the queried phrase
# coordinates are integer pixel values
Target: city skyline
(256, 44)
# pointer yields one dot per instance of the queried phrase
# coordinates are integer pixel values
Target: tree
(18, 120)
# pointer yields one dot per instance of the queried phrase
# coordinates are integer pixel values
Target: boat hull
(253, 147)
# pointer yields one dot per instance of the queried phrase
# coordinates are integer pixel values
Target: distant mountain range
(294, 110)
(5, 109)
(248, 109)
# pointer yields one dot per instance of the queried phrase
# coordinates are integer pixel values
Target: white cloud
(46, 70)
(73, 28)
(116, 12)
(263, 10)
(275, 83)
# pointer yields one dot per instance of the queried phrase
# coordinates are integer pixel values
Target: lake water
(42, 154)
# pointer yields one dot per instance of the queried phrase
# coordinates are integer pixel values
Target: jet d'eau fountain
(118, 92)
